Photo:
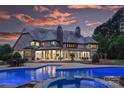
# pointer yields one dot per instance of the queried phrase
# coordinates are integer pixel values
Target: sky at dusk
(14, 18)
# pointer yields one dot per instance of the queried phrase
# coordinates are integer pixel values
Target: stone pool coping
(79, 66)
(63, 66)
(27, 66)
(110, 84)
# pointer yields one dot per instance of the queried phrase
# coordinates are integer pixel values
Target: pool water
(93, 72)
(76, 83)
(19, 77)
(22, 76)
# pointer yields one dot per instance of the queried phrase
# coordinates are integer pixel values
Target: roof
(41, 34)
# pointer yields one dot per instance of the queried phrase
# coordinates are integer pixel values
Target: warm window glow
(71, 45)
(32, 43)
(27, 53)
(37, 44)
(93, 46)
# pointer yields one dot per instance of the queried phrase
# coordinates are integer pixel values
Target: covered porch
(62, 55)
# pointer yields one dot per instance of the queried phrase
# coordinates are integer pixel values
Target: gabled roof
(69, 36)
(89, 40)
(41, 34)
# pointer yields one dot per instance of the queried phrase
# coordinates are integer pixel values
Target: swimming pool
(19, 77)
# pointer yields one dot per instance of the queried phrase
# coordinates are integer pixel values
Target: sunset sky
(14, 18)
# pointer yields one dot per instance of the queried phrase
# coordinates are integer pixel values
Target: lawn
(117, 62)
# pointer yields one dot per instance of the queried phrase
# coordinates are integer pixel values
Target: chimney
(77, 31)
(60, 34)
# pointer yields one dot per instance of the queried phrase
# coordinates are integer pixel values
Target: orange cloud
(54, 18)
(23, 18)
(56, 13)
(90, 23)
(8, 36)
(52, 21)
(4, 15)
(104, 7)
(83, 6)
(40, 8)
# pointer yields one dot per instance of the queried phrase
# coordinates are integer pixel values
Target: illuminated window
(27, 53)
(37, 43)
(71, 45)
(53, 43)
(32, 43)
(93, 46)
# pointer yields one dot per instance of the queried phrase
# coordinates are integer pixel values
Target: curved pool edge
(46, 83)
(110, 84)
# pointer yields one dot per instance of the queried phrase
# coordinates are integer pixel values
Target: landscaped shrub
(13, 59)
(16, 55)
(20, 62)
(7, 57)
(17, 60)
(95, 58)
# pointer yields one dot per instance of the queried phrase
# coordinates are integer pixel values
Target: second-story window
(35, 43)
(53, 43)
(93, 46)
(71, 45)
(32, 43)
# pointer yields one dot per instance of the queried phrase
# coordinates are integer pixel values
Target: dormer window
(35, 43)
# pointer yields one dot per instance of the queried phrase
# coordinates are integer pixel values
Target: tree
(5, 49)
(7, 57)
(95, 58)
(103, 42)
(119, 46)
(110, 38)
